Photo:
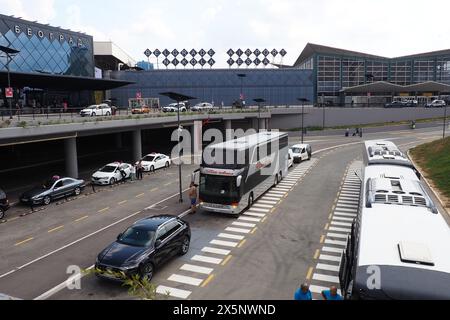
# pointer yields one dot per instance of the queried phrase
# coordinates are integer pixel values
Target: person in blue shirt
(332, 294)
(303, 293)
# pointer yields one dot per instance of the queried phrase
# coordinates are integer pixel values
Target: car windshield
(108, 169)
(297, 150)
(48, 184)
(137, 237)
(149, 158)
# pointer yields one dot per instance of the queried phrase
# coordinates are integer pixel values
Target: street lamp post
(259, 101)
(323, 115)
(179, 98)
(242, 76)
(445, 121)
(10, 53)
(303, 101)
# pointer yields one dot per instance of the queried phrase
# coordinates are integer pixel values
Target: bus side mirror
(239, 181)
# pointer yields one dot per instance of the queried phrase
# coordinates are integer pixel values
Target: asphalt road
(272, 253)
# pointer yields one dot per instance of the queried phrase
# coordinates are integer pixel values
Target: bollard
(93, 187)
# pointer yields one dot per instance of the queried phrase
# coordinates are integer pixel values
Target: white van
(301, 152)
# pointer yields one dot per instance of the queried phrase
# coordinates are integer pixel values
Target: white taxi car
(301, 152)
(155, 161)
(112, 173)
(96, 110)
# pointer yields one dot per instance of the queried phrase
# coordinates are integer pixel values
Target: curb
(435, 192)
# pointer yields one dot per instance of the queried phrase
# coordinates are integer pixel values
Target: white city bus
(399, 244)
(235, 173)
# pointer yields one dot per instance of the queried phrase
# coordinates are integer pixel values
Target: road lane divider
(103, 210)
(55, 229)
(23, 242)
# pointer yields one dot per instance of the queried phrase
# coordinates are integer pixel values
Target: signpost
(9, 93)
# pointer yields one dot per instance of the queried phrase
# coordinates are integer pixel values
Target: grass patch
(434, 158)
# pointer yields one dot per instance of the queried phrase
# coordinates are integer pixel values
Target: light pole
(259, 101)
(323, 107)
(178, 98)
(303, 101)
(242, 76)
(10, 53)
(445, 121)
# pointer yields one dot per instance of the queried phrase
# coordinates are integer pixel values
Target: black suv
(144, 247)
(4, 204)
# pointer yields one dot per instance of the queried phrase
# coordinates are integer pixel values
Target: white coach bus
(236, 173)
(399, 244)
(381, 152)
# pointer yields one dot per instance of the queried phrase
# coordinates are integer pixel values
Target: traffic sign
(9, 93)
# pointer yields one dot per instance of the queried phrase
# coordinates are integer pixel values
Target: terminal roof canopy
(387, 87)
(59, 82)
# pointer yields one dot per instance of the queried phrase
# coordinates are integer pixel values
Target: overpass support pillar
(255, 123)
(262, 124)
(228, 130)
(70, 151)
(137, 145)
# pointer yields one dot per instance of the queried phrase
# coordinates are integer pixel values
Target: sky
(382, 27)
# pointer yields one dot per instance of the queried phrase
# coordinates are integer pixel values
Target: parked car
(173, 107)
(396, 104)
(112, 173)
(204, 106)
(238, 104)
(96, 110)
(144, 247)
(4, 204)
(155, 161)
(436, 104)
(52, 189)
(140, 110)
(301, 152)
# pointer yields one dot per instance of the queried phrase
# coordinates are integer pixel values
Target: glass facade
(276, 86)
(45, 49)
(337, 72)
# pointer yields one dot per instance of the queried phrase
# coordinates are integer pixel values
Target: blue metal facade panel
(276, 86)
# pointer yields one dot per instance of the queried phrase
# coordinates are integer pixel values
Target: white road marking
(322, 277)
(253, 214)
(341, 224)
(345, 214)
(276, 192)
(341, 209)
(260, 210)
(267, 202)
(243, 218)
(346, 201)
(207, 259)
(216, 251)
(272, 197)
(196, 269)
(343, 219)
(242, 224)
(231, 236)
(185, 280)
(257, 205)
(344, 230)
(327, 267)
(337, 235)
(336, 243)
(332, 250)
(349, 198)
(224, 243)
(330, 258)
(176, 293)
(238, 230)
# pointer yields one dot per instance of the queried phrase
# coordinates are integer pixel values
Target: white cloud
(42, 11)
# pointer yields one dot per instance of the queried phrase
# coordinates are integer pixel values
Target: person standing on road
(193, 197)
(140, 170)
(303, 293)
(331, 294)
(133, 173)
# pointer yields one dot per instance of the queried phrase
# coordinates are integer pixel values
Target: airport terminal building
(48, 65)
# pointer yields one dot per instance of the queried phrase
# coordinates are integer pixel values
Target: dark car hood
(117, 254)
(33, 192)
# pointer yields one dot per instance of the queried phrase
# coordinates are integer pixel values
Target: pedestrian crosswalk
(326, 271)
(200, 268)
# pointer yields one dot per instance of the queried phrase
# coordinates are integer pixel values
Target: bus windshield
(219, 188)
